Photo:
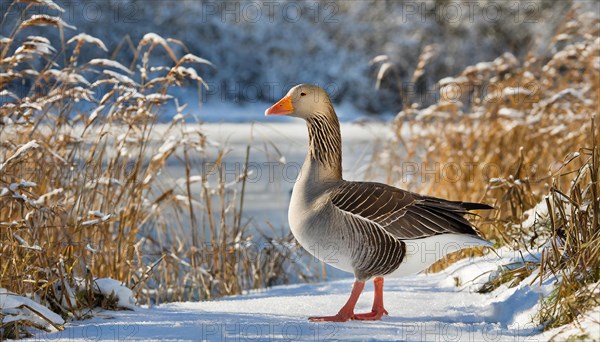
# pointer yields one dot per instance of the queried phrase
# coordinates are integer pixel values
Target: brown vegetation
(83, 189)
(513, 135)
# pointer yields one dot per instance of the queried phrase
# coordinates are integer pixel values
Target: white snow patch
(109, 63)
(511, 113)
(86, 38)
(14, 308)
(536, 215)
(516, 91)
(124, 295)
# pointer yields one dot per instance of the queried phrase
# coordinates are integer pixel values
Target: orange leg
(347, 311)
(378, 310)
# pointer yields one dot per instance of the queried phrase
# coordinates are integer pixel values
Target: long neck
(324, 145)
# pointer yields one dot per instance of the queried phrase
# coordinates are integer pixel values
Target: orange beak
(283, 107)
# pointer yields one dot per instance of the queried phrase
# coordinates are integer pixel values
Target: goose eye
(302, 94)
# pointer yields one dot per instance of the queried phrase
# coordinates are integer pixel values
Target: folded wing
(404, 214)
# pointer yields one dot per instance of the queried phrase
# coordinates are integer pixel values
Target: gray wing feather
(403, 214)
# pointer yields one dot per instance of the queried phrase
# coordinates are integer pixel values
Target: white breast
(309, 223)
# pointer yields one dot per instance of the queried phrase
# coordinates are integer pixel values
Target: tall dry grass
(573, 255)
(84, 188)
(514, 134)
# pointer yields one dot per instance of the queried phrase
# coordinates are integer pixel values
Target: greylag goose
(370, 229)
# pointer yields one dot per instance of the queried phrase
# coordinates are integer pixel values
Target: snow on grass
(15, 308)
(19, 153)
(25, 244)
(110, 287)
(537, 215)
(587, 329)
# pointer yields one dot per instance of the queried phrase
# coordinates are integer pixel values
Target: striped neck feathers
(325, 140)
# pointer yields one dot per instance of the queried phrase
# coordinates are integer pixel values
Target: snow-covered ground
(425, 307)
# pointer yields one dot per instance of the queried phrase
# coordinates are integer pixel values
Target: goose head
(303, 101)
(311, 103)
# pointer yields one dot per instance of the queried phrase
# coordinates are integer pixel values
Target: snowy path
(422, 307)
